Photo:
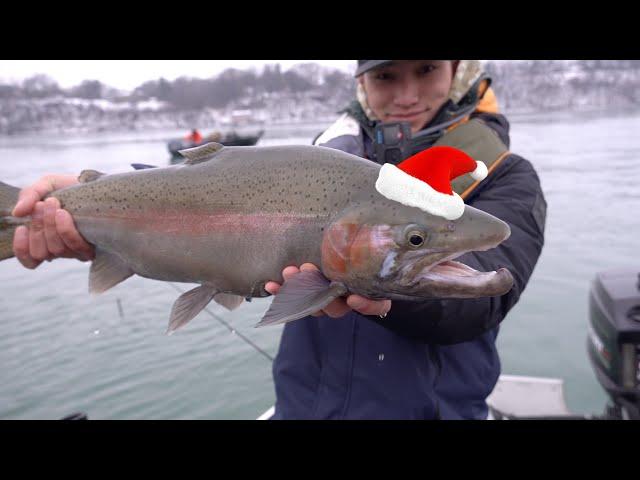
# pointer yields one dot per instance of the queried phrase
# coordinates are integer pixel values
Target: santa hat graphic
(424, 180)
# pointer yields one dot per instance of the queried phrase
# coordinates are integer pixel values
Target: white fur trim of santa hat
(481, 172)
(397, 185)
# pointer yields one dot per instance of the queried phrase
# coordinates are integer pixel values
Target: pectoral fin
(188, 305)
(107, 270)
(303, 294)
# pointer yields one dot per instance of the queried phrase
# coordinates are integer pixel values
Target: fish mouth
(451, 279)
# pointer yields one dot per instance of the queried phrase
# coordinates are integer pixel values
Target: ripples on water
(62, 350)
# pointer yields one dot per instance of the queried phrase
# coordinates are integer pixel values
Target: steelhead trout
(232, 218)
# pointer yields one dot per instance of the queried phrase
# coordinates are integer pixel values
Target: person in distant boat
(375, 359)
(194, 137)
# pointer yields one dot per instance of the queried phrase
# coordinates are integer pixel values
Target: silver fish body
(232, 218)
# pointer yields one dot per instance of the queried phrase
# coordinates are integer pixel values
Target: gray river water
(62, 350)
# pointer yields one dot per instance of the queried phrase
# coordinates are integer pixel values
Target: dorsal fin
(202, 153)
(87, 176)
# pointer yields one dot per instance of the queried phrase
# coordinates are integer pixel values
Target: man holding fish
(416, 332)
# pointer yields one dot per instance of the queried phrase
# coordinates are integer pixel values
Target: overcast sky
(128, 74)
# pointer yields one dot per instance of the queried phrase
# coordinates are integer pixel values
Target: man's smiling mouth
(408, 114)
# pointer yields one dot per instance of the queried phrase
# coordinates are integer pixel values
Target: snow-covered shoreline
(522, 88)
(69, 118)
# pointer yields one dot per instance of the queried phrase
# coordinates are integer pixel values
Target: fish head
(384, 249)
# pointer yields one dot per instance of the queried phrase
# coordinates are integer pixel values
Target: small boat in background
(230, 139)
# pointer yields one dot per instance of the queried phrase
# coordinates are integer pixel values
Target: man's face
(408, 90)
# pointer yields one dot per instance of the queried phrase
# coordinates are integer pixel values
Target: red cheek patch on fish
(335, 248)
(362, 248)
(352, 247)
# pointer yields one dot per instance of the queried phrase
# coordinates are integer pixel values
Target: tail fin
(8, 224)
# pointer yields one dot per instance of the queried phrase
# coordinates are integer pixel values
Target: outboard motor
(614, 339)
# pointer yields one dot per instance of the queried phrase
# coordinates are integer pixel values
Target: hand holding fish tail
(340, 306)
(32, 194)
(51, 233)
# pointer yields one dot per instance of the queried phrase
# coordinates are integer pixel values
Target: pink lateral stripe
(181, 222)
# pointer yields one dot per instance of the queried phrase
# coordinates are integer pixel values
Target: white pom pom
(480, 173)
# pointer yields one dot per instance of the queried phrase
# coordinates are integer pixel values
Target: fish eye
(415, 238)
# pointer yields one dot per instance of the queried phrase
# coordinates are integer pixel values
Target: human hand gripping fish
(52, 232)
(239, 221)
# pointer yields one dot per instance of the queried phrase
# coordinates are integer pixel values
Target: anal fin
(303, 294)
(188, 305)
(107, 270)
(228, 300)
